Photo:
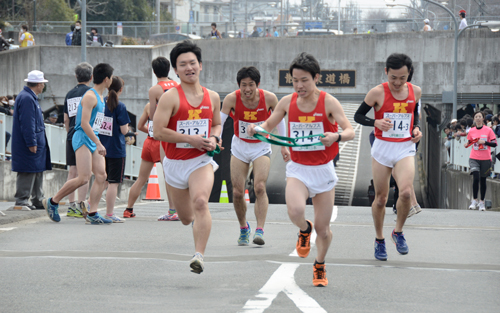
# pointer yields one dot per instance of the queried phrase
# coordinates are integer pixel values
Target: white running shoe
(115, 218)
(473, 205)
(412, 211)
(197, 265)
(481, 206)
(418, 209)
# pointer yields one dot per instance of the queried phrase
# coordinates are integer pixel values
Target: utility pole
(34, 15)
(83, 5)
(338, 19)
(246, 15)
(231, 15)
(157, 16)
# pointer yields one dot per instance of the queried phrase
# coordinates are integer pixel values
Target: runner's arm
(216, 129)
(277, 115)
(143, 120)
(66, 122)
(334, 108)
(227, 106)
(154, 93)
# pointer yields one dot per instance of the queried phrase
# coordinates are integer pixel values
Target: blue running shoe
(258, 238)
(98, 219)
(400, 242)
(51, 210)
(380, 251)
(244, 236)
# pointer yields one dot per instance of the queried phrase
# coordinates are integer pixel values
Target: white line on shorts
(282, 280)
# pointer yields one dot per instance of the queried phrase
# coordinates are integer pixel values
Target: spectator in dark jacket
(76, 40)
(30, 152)
(96, 38)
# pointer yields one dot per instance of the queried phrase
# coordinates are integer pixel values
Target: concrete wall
(458, 193)
(15, 66)
(432, 54)
(57, 39)
(52, 182)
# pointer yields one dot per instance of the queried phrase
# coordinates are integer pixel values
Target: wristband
(340, 138)
(216, 138)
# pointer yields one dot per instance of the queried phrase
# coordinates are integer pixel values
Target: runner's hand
(329, 139)
(417, 134)
(100, 149)
(251, 130)
(201, 143)
(33, 149)
(383, 124)
(481, 142)
(285, 153)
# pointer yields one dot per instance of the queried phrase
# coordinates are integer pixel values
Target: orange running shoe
(128, 214)
(303, 245)
(319, 275)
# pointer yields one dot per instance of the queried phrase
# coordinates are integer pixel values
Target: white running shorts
(317, 178)
(388, 153)
(177, 172)
(249, 152)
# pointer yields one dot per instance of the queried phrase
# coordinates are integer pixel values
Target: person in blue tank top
(112, 135)
(88, 148)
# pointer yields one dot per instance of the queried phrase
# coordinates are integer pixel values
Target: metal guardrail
(56, 139)
(459, 156)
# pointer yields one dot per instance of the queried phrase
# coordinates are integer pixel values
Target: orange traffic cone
(247, 197)
(153, 191)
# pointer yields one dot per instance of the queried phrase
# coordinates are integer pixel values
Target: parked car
(319, 32)
(170, 37)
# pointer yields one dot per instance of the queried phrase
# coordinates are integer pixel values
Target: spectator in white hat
(427, 27)
(30, 152)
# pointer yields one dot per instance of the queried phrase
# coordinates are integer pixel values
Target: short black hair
(72, 27)
(25, 27)
(249, 71)
(93, 28)
(307, 62)
(213, 24)
(101, 71)
(161, 66)
(184, 47)
(79, 22)
(397, 61)
(32, 85)
(462, 14)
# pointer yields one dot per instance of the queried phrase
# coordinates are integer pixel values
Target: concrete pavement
(142, 265)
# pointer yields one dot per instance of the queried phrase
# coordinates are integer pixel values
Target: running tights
(475, 185)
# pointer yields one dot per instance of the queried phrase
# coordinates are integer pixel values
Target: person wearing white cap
(30, 151)
(427, 27)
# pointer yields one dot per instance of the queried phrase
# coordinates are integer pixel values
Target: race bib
(73, 106)
(150, 128)
(106, 126)
(98, 121)
(307, 129)
(400, 125)
(192, 127)
(244, 130)
(30, 43)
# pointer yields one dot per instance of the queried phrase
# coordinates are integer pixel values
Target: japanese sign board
(327, 78)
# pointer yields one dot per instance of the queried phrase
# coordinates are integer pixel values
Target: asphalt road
(143, 265)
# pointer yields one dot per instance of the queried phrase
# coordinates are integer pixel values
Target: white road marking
(7, 228)
(356, 163)
(283, 280)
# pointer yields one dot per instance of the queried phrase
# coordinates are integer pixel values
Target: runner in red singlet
(396, 132)
(187, 121)
(310, 173)
(151, 150)
(248, 105)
